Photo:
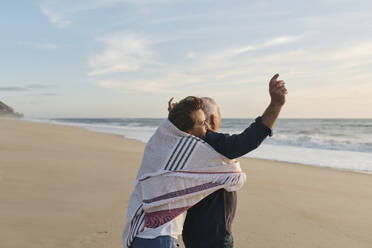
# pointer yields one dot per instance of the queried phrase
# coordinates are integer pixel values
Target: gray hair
(209, 107)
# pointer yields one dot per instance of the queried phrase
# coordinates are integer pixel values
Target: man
(208, 223)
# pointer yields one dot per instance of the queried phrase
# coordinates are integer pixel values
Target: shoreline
(66, 186)
(245, 157)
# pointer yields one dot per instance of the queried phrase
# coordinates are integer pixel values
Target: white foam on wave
(345, 160)
(314, 154)
(346, 143)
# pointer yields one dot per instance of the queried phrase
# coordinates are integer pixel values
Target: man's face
(200, 127)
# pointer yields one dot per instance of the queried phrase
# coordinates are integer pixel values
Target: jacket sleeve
(237, 145)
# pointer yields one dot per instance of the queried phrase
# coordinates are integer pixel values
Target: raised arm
(234, 146)
(277, 93)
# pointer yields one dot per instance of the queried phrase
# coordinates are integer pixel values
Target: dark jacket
(209, 221)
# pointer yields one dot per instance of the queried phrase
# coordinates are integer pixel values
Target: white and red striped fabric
(177, 171)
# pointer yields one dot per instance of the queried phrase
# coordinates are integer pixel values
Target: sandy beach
(63, 186)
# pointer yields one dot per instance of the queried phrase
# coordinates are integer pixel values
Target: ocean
(335, 143)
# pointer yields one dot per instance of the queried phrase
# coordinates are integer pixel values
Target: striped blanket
(177, 171)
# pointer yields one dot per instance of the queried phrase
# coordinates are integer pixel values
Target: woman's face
(200, 127)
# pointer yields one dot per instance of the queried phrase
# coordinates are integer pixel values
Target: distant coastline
(8, 112)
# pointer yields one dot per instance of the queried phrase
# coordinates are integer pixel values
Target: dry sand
(64, 187)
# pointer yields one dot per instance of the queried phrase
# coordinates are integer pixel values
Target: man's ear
(212, 123)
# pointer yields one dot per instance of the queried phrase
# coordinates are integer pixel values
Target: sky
(127, 58)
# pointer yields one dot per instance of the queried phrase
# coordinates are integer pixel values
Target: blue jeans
(158, 242)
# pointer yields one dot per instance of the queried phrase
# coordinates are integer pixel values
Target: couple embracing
(188, 177)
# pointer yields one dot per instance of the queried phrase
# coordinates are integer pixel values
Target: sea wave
(324, 143)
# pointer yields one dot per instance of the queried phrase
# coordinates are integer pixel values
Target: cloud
(282, 40)
(177, 81)
(169, 79)
(345, 56)
(230, 65)
(39, 45)
(221, 69)
(191, 55)
(121, 53)
(13, 88)
(356, 51)
(60, 12)
(54, 17)
(39, 86)
(235, 68)
(47, 46)
(49, 94)
(217, 58)
(147, 86)
(26, 87)
(225, 54)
